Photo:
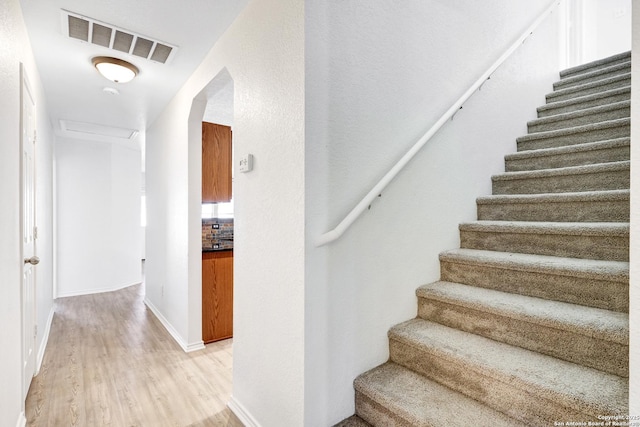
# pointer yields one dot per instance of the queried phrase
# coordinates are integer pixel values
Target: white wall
(219, 96)
(606, 29)
(263, 53)
(16, 49)
(634, 297)
(45, 271)
(98, 216)
(378, 75)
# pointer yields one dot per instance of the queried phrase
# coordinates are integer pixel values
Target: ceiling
(75, 90)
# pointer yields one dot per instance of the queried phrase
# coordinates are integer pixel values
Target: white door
(28, 140)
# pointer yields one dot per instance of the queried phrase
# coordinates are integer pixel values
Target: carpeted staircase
(529, 322)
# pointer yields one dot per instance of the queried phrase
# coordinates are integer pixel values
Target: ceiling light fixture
(115, 69)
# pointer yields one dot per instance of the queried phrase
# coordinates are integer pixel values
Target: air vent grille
(91, 31)
(123, 41)
(161, 53)
(142, 47)
(78, 28)
(101, 35)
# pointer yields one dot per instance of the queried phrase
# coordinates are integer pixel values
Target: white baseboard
(95, 291)
(187, 348)
(45, 340)
(22, 420)
(241, 412)
(194, 346)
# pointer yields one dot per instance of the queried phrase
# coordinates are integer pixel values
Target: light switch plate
(246, 163)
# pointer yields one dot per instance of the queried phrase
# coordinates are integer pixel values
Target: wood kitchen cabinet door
(217, 296)
(216, 163)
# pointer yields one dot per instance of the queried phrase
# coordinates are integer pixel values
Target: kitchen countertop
(216, 250)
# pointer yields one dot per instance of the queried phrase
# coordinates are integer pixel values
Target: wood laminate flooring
(110, 362)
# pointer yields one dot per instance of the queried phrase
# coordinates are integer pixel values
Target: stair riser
(595, 135)
(610, 248)
(576, 158)
(376, 414)
(577, 92)
(582, 211)
(618, 113)
(604, 355)
(529, 387)
(546, 112)
(498, 393)
(583, 78)
(587, 68)
(589, 292)
(596, 181)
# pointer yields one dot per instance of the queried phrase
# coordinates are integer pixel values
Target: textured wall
(607, 28)
(263, 53)
(378, 75)
(12, 34)
(98, 216)
(15, 50)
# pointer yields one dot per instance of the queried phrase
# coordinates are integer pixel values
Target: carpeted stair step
(594, 65)
(533, 388)
(587, 101)
(622, 80)
(588, 206)
(528, 324)
(391, 395)
(586, 240)
(613, 150)
(587, 116)
(588, 282)
(598, 338)
(603, 176)
(593, 75)
(611, 129)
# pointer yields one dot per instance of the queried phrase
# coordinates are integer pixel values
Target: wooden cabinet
(217, 295)
(216, 163)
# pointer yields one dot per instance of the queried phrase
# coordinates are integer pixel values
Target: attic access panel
(83, 128)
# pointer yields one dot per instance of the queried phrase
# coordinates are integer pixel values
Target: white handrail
(339, 230)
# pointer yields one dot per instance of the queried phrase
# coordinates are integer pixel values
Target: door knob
(34, 260)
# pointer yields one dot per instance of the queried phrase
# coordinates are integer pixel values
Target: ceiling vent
(91, 31)
(97, 130)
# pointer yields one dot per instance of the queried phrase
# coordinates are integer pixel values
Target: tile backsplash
(217, 233)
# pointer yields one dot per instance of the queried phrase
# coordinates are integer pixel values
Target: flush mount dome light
(115, 69)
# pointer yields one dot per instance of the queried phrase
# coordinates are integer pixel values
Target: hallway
(109, 361)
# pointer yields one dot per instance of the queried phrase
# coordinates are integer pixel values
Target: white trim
(96, 291)
(187, 348)
(22, 420)
(27, 325)
(242, 413)
(194, 346)
(54, 220)
(45, 340)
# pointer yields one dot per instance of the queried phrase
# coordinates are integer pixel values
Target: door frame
(27, 305)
